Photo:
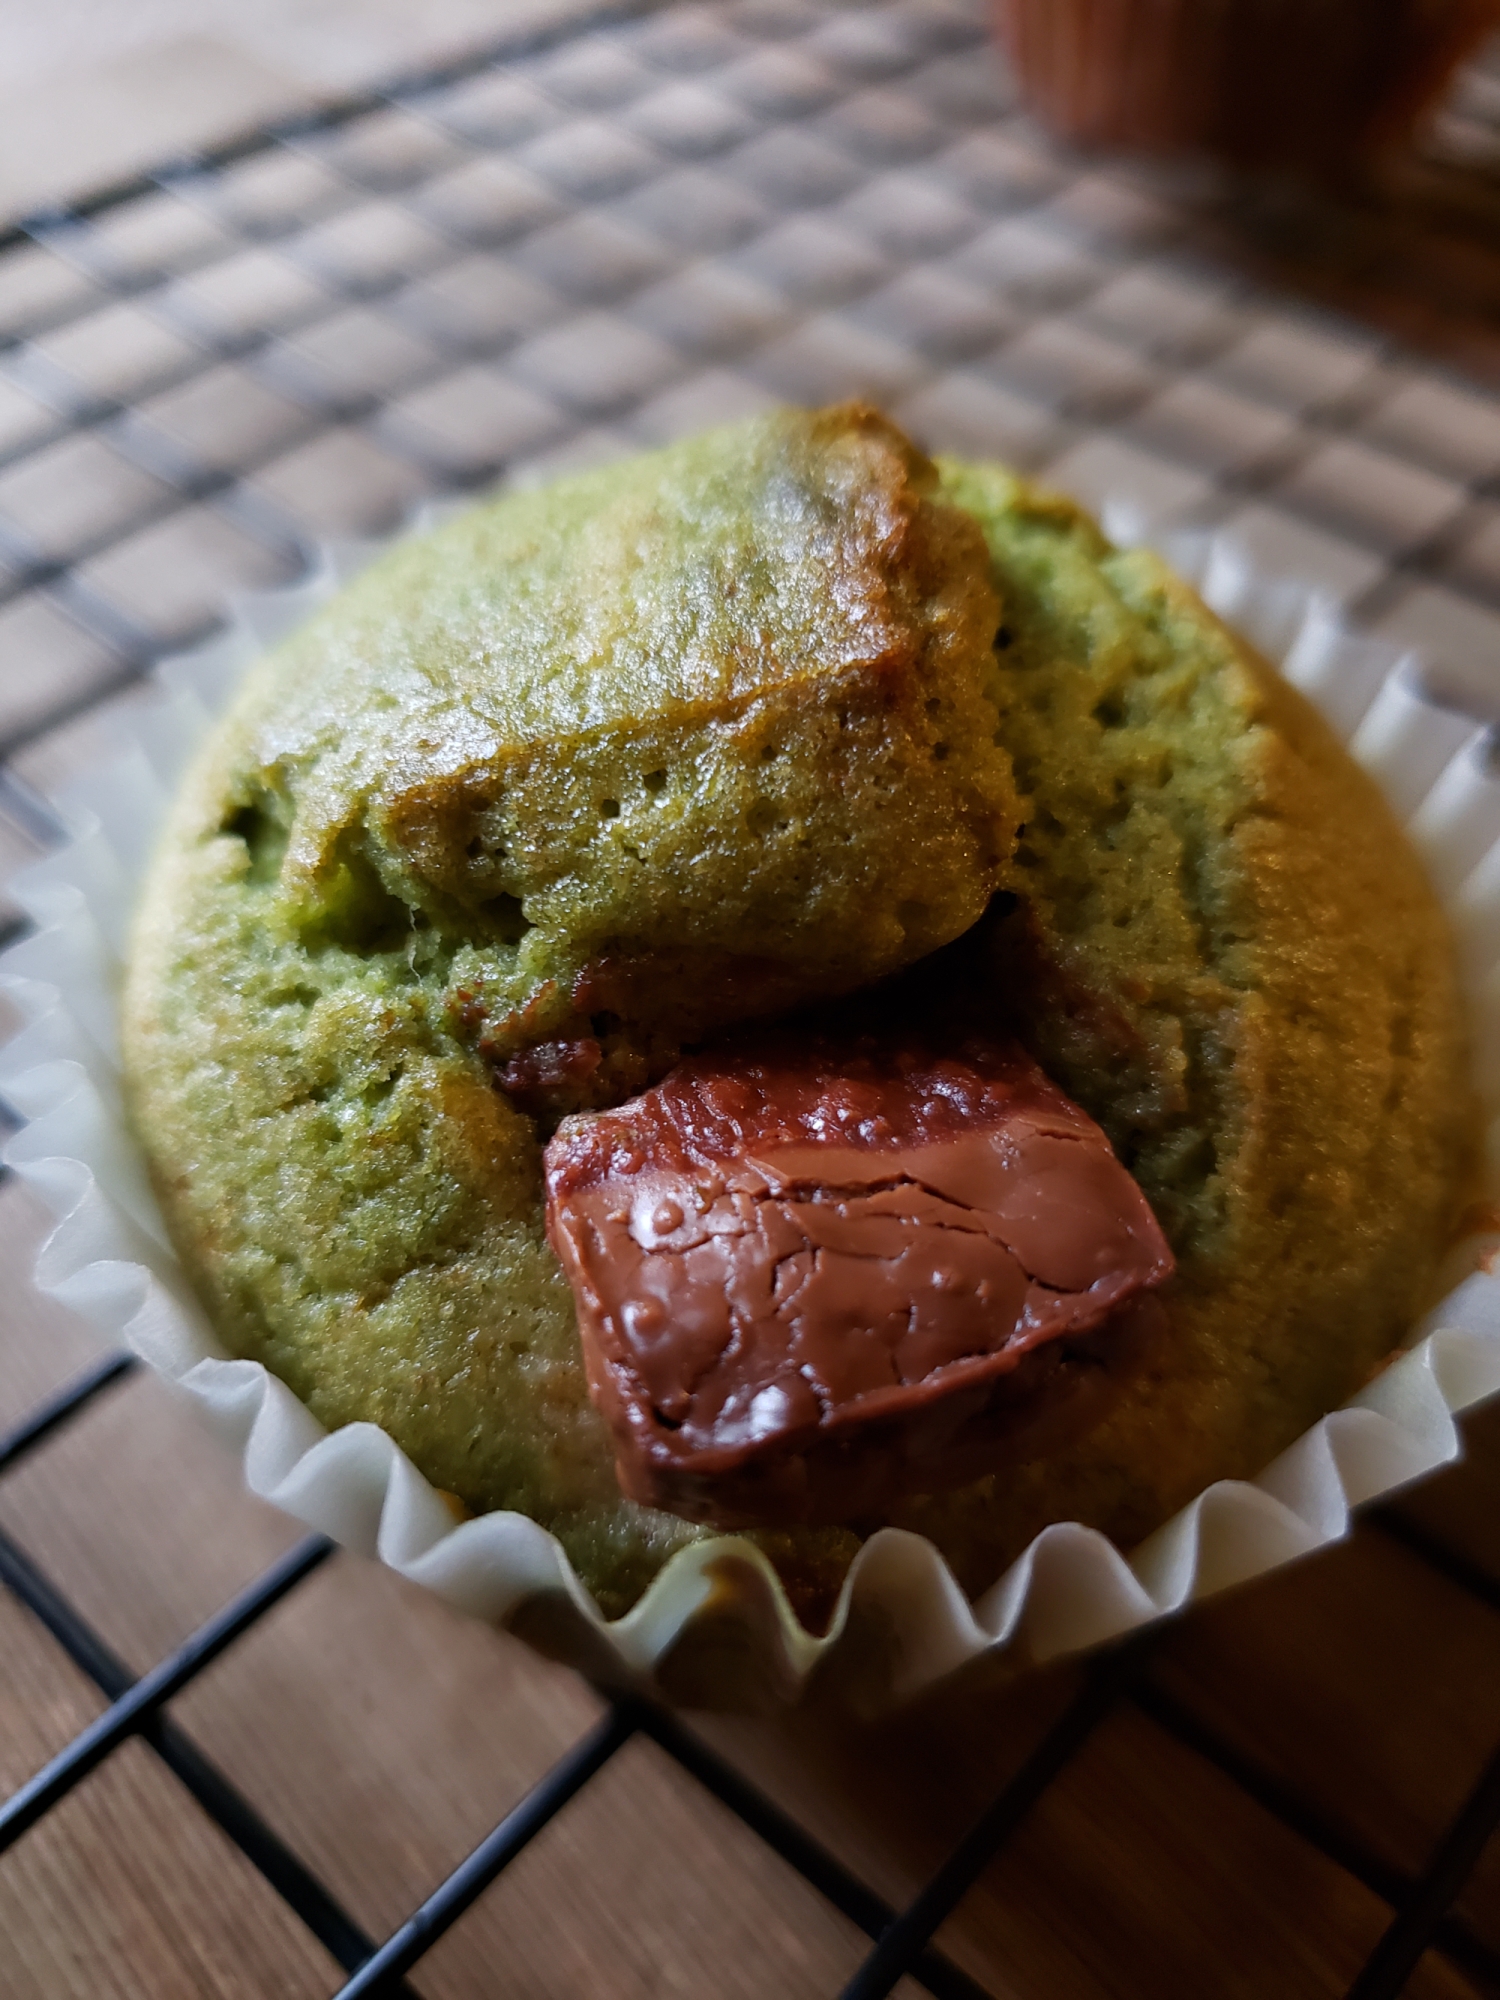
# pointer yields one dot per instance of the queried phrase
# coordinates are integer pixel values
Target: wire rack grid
(562, 249)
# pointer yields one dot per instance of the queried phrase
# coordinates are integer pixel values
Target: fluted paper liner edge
(902, 1623)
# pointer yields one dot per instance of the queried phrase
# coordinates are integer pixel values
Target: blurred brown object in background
(1324, 85)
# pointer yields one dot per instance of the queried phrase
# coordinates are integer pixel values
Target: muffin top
(765, 720)
(686, 739)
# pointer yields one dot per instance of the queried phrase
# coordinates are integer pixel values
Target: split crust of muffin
(748, 724)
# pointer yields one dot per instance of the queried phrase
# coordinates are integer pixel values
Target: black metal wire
(473, 1876)
(1394, 1959)
(902, 1948)
(1392, 1885)
(67, 1403)
(892, 1957)
(235, 1816)
(126, 1715)
(84, 1647)
(1421, 1904)
(1439, 1555)
(848, 1895)
(328, 117)
(1351, 1854)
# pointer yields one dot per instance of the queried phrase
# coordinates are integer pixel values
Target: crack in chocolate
(737, 1306)
(784, 1306)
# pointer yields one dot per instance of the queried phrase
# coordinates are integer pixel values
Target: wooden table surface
(382, 1735)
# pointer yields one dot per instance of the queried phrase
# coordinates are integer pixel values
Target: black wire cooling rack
(572, 245)
(1420, 1904)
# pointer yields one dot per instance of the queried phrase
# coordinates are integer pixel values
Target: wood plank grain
(1143, 1871)
(1462, 1508)
(126, 1891)
(1368, 1682)
(382, 1735)
(41, 1346)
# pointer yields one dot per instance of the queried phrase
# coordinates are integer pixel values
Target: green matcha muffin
(1225, 950)
(746, 725)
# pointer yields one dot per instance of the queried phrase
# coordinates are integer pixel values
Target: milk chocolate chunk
(813, 1278)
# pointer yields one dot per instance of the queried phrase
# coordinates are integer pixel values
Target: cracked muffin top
(781, 718)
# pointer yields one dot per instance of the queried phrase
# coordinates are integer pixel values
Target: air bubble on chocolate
(666, 1217)
(643, 1317)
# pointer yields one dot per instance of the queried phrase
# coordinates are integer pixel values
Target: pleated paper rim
(715, 1627)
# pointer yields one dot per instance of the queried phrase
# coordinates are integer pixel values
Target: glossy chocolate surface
(811, 1277)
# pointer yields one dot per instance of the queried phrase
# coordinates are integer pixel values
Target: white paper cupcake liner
(715, 1628)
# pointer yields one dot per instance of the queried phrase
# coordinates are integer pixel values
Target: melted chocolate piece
(538, 1077)
(812, 1278)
